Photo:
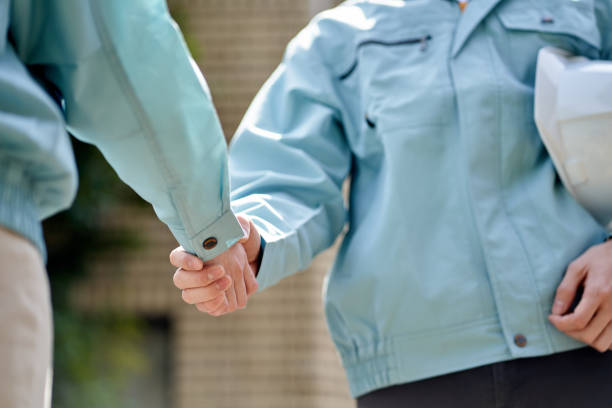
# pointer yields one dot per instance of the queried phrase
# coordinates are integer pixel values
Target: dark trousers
(574, 379)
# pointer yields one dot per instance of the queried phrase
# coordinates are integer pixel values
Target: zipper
(423, 41)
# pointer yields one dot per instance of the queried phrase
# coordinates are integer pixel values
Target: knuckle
(574, 268)
(579, 337)
(202, 278)
(606, 291)
(580, 323)
(588, 338)
(599, 294)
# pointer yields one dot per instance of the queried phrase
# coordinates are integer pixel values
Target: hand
(223, 284)
(591, 321)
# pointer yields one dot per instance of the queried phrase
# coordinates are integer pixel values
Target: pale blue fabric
(458, 229)
(116, 74)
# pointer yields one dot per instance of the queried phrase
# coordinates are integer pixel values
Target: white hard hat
(573, 112)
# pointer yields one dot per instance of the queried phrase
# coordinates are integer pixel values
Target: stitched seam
(390, 341)
(503, 199)
(501, 316)
(128, 89)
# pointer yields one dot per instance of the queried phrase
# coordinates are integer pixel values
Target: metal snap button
(520, 340)
(210, 243)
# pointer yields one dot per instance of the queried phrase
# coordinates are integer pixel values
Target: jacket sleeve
(288, 162)
(130, 87)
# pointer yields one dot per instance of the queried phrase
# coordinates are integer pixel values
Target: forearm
(130, 87)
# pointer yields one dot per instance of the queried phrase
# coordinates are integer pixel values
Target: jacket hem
(408, 358)
(18, 210)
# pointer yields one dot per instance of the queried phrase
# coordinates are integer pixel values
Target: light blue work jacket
(117, 74)
(459, 230)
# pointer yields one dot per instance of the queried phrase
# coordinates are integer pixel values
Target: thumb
(246, 228)
(566, 292)
(252, 240)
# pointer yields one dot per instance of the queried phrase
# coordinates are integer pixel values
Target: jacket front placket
(478, 81)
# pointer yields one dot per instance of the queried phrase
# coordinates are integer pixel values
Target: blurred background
(123, 337)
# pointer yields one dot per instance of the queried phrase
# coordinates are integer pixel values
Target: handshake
(223, 284)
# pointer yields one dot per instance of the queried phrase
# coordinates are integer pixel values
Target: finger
(252, 242)
(595, 328)
(223, 309)
(249, 280)
(182, 259)
(568, 287)
(604, 341)
(231, 299)
(246, 228)
(240, 288)
(195, 279)
(213, 305)
(199, 295)
(581, 317)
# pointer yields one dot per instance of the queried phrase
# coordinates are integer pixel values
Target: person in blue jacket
(463, 252)
(116, 74)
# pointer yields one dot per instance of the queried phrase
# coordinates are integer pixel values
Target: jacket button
(520, 340)
(210, 243)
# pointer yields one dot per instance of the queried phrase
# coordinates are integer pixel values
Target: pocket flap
(570, 17)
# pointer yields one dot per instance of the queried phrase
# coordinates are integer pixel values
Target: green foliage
(94, 359)
(94, 355)
(72, 236)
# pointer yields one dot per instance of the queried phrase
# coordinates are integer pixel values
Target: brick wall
(277, 352)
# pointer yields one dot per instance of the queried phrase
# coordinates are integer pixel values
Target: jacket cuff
(266, 273)
(277, 259)
(18, 211)
(213, 240)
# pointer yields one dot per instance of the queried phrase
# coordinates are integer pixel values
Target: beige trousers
(26, 329)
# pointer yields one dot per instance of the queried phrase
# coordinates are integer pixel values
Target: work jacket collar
(474, 13)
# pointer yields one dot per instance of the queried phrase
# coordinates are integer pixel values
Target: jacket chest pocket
(567, 24)
(403, 80)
